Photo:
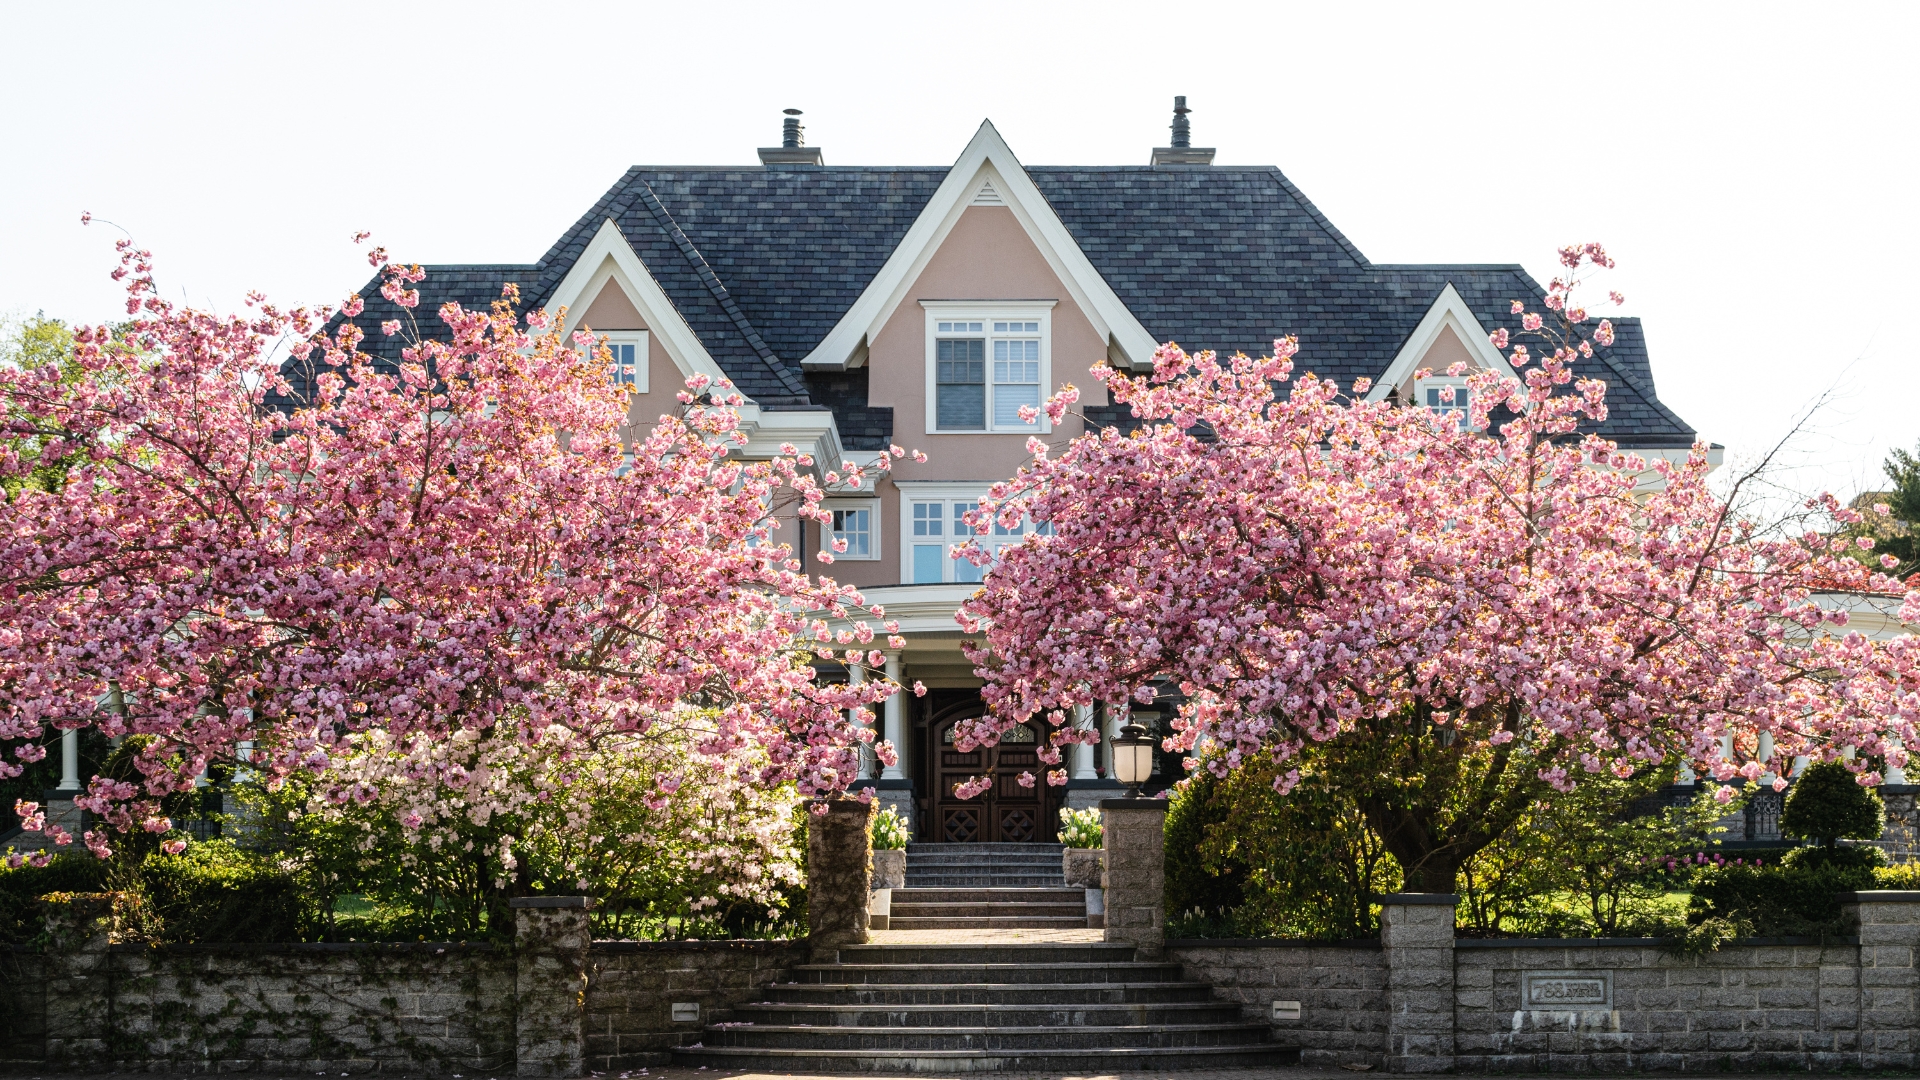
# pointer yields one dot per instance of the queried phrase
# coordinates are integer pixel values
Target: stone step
(919, 894)
(1096, 1060)
(986, 849)
(1029, 972)
(921, 955)
(1105, 1015)
(968, 908)
(949, 994)
(984, 881)
(956, 858)
(1054, 1037)
(988, 922)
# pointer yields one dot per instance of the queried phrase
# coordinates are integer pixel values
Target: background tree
(1468, 617)
(1828, 804)
(456, 543)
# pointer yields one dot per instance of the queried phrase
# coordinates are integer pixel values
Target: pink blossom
(390, 327)
(1723, 795)
(1530, 321)
(1025, 779)
(1499, 338)
(174, 846)
(1517, 308)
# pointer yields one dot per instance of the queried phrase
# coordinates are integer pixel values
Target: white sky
(1751, 165)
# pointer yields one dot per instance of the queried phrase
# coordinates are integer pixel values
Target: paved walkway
(984, 937)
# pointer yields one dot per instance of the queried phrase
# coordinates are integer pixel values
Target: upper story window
(984, 366)
(857, 522)
(629, 353)
(1445, 393)
(934, 521)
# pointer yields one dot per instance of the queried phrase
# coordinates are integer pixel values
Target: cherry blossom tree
(456, 543)
(1462, 617)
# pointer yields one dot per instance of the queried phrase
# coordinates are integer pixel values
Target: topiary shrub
(1828, 804)
(216, 892)
(1786, 900)
(1193, 880)
(21, 914)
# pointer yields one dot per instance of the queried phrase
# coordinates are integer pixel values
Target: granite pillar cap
(551, 902)
(1134, 804)
(1447, 898)
(1881, 896)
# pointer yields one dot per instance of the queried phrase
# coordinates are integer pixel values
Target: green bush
(1196, 882)
(21, 917)
(1827, 804)
(1778, 900)
(216, 892)
(1906, 876)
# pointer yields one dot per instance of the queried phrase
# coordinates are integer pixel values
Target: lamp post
(1133, 758)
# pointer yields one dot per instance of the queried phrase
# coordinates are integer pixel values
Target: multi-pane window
(960, 378)
(854, 524)
(628, 351)
(977, 392)
(1446, 396)
(939, 524)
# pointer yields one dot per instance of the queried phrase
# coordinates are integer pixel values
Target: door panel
(1005, 812)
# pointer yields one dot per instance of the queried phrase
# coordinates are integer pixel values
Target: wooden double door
(1006, 813)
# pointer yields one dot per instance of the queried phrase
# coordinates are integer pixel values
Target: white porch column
(1895, 774)
(70, 761)
(895, 720)
(857, 675)
(1766, 756)
(1080, 761)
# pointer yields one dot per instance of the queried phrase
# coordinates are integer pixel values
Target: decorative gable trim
(609, 257)
(986, 164)
(1449, 311)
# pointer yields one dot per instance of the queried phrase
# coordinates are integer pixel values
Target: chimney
(793, 148)
(1182, 152)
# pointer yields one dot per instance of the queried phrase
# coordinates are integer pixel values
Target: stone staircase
(984, 866)
(983, 1008)
(986, 887)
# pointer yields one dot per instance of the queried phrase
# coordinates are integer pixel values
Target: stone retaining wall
(1341, 988)
(23, 1005)
(633, 986)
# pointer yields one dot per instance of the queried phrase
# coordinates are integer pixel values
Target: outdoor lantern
(1133, 758)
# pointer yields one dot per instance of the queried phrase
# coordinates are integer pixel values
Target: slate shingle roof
(762, 262)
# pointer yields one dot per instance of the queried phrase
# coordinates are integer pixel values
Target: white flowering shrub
(430, 839)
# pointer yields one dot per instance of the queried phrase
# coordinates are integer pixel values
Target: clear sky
(1753, 166)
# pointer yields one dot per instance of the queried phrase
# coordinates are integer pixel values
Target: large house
(862, 306)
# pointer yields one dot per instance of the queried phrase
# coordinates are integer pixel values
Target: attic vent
(986, 196)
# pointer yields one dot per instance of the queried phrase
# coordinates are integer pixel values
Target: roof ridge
(1319, 218)
(715, 286)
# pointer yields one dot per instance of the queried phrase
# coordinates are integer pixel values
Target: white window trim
(1435, 382)
(946, 493)
(987, 311)
(639, 339)
(875, 528)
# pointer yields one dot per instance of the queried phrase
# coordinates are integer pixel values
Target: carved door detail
(1006, 812)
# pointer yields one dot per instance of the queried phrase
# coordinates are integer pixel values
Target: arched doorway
(1005, 813)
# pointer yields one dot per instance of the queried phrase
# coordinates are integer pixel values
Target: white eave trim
(986, 160)
(1449, 311)
(609, 257)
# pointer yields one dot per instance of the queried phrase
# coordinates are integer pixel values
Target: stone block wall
(349, 1007)
(633, 986)
(552, 1004)
(1633, 1005)
(23, 1005)
(1341, 988)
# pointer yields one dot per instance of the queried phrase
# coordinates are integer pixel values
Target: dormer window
(629, 353)
(985, 365)
(1446, 394)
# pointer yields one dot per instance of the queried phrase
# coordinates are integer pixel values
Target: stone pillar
(79, 1003)
(1134, 879)
(839, 876)
(1416, 934)
(1889, 981)
(551, 936)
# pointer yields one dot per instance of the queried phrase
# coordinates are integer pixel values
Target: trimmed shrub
(1828, 804)
(1789, 900)
(216, 892)
(22, 917)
